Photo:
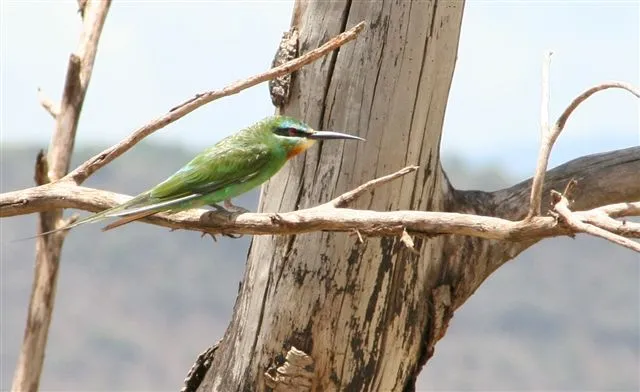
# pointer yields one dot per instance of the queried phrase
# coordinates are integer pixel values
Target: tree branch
(602, 179)
(48, 248)
(562, 120)
(550, 135)
(545, 146)
(323, 218)
(98, 161)
(618, 210)
(574, 222)
(350, 196)
(48, 104)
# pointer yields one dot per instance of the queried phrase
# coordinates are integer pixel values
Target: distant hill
(136, 306)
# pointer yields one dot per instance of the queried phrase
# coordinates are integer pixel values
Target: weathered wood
(48, 248)
(349, 313)
(362, 312)
(604, 180)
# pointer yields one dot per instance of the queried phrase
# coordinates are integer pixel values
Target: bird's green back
(241, 161)
(233, 166)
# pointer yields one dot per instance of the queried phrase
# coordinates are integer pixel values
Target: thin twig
(624, 228)
(48, 248)
(544, 106)
(562, 208)
(562, 120)
(357, 234)
(41, 171)
(82, 4)
(48, 104)
(406, 239)
(545, 145)
(348, 197)
(89, 167)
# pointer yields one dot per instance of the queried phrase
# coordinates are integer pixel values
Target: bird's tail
(97, 217)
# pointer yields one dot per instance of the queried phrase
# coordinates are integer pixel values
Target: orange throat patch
(300, 147)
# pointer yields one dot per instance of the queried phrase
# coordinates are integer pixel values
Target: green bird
(233, 166)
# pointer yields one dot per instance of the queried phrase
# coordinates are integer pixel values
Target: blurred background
(137, 305)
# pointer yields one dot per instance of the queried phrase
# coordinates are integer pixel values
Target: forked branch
(549, 135)
(596, 226)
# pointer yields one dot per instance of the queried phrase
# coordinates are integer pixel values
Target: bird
(235, 165)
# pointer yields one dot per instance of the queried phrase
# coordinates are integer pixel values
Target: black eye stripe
(288, 132)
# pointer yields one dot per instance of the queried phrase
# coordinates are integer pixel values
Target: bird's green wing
(213, 169)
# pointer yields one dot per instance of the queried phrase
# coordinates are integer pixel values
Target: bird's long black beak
(328, 135)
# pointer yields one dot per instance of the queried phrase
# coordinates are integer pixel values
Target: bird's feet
(224, 214)
(231, 207)
(229, 211)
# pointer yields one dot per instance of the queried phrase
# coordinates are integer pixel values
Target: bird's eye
(291, 132)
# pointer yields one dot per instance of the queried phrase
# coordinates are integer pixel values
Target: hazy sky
(155, 54)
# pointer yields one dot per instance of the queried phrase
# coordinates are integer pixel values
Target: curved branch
(89, 167)
(562, 120)
(550, 135)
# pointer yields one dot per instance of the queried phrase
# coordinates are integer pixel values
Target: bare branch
(406, 239)
(550, 135)
(544, 107)
(48, 248)
(61, 146)
(98, 161)
(48, 104)
(82, 4)
(562, 208)
(625, 228)
(358, 235)
(350, 196)
(545, 147)
(562, 120)
(372, 223)
(41, 172)
(619, 209)
(605, 178)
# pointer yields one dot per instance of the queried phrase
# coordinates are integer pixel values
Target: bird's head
(296, 136)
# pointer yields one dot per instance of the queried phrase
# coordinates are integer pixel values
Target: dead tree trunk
(333, 311)
(367, 314)
(329, 311)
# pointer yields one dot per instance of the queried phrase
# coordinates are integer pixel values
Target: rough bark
(329, 311)
(324, 311)
(366, 314)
